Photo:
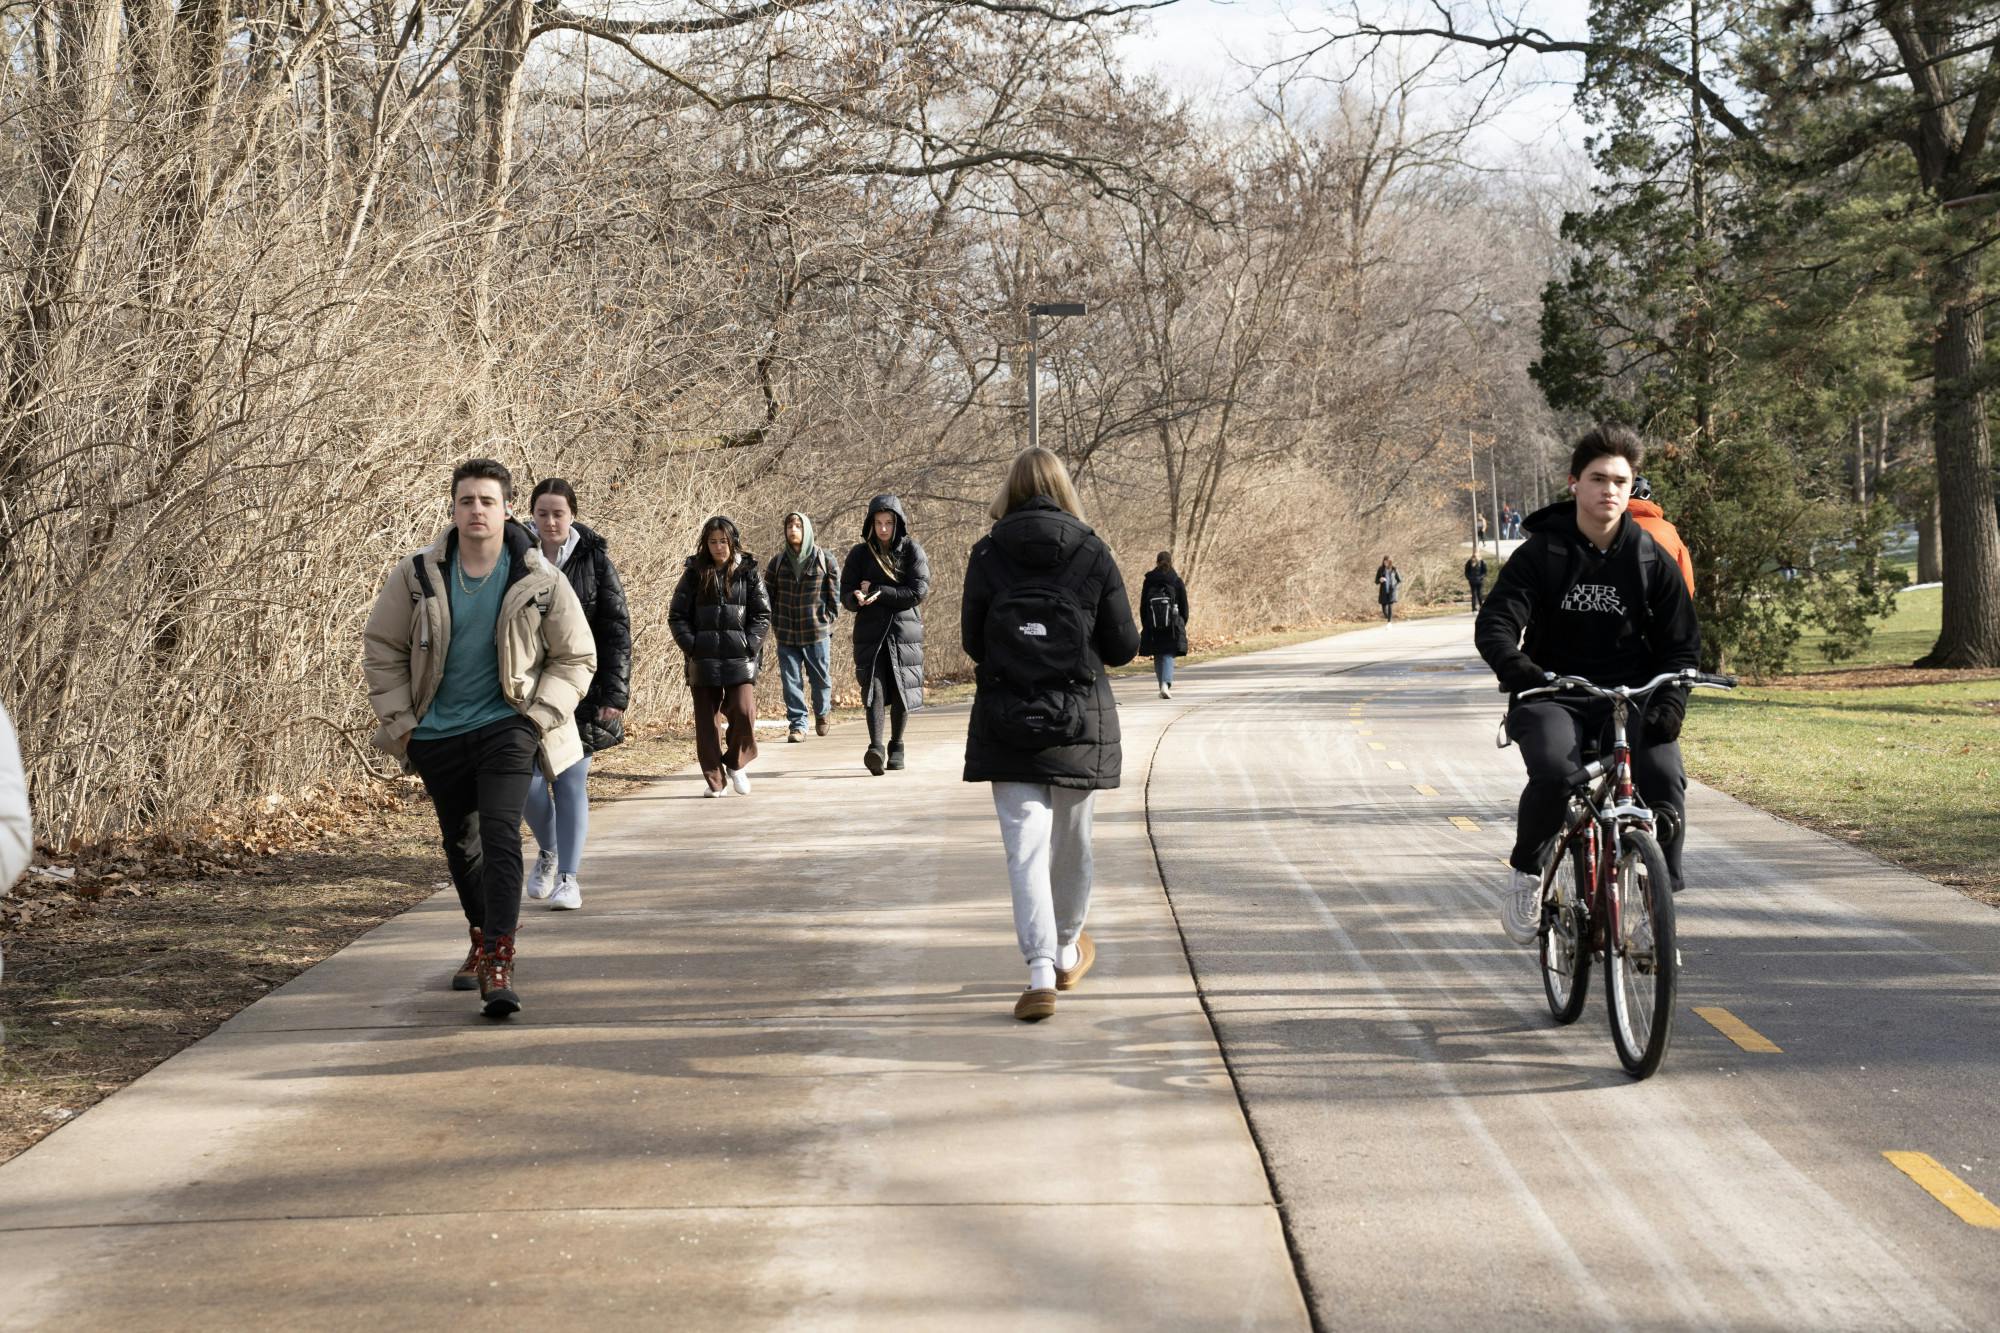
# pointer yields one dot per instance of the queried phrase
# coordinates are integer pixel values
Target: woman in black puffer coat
(1045, 613)
(559, 812)
(1163, 616)
(719, 616)
(884, 581)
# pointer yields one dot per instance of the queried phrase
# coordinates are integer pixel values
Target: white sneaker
(1521, 907)
(542, 879)
(740, 781)
(723, 790)
(1167, 690)
(568, 896)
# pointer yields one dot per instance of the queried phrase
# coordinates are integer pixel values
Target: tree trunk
(1930, 568)
(1970, 539)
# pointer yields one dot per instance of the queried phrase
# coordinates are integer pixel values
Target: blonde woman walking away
(719, 616)
(884, 580)
(1045, 612)
(1163, 607)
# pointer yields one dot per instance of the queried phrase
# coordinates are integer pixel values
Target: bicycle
(1606, 891)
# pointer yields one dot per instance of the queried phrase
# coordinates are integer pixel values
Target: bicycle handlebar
(1688, 676)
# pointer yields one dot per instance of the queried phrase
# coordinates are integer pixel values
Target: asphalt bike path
(767, 1077)
(1331, 822)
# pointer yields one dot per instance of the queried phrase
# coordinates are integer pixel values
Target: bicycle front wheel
(1565, 952)
(1642, 964)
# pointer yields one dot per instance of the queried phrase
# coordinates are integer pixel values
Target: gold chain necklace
(477, 586)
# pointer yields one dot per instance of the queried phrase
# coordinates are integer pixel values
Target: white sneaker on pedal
(1521, 907)
(542, 879)
(568, 896)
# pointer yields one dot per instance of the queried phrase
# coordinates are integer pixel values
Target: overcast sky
(1196, 44)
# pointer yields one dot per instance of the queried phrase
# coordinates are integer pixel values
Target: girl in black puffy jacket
(719, 616)
(558, 813)
(1044, 614)
(1163, 617)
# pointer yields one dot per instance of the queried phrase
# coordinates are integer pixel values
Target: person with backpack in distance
(719, 616)
(1388, 587)
(1163, 613)
(883, 581)
(1475, 578)
(559, 813)
(477, 654)
(1044, 614)
(805, 601)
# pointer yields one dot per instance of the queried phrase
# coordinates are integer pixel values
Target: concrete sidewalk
(767, 1077)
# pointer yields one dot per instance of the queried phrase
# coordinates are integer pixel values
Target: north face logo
(1594, 597)
(1035, 629)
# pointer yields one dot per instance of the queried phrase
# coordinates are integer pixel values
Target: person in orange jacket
(1654, 520)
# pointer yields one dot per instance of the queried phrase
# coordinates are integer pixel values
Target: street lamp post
(1054, 310)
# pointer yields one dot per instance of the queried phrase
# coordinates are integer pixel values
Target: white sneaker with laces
(1521, 907)
(542, 880)
(568, 895)
(740, 781)
(723, 790)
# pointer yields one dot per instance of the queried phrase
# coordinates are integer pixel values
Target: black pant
(1478, 593)
(1551, 733)
(479, 784)
(885, 695)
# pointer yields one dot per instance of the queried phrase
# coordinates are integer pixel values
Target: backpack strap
(423, 574)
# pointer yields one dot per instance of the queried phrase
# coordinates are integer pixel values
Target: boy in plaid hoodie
(804, 583)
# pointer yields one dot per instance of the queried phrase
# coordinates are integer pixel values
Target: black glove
(1521, 674)
(1665, 714)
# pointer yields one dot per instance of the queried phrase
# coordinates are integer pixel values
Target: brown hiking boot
(1086, 954)
(795, 735)
(1035, 1005)
(496, 978)
(822, 722)
(467, 976)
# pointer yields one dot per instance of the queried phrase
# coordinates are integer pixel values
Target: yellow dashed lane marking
(1738, 1031)
(1396, 765)
(1423, 789)
(1377, 745)
(1364, 731)
(1469, 825)
(1971, 1206)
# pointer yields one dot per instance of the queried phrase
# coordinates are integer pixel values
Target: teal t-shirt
(469, 697)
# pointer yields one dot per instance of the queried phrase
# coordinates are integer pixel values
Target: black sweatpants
(1551, 733)
(1478, 587)
(479, 784)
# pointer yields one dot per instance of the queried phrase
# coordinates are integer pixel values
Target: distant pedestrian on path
(559, 812)
(1475, 578)
(1163, 613)
(1388, 587)
(805, 601)
(719, 616)
(477, 654)
(1044, 613)
(17, 832)
(884, 580)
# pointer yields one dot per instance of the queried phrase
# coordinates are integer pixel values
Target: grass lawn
(1906, 764)
(1912, 774)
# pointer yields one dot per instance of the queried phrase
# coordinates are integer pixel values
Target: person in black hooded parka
(884, 580)
(1044, 613)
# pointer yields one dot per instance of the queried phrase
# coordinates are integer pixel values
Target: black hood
(1038, 534)
(588, 539)
(894, 506)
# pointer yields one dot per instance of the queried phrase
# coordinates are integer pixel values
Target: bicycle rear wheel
(1565, 952)
(1641, 962)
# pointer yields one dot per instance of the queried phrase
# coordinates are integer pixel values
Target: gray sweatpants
(1046, 830)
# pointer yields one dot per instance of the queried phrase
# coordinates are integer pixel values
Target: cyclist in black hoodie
(1590, 594)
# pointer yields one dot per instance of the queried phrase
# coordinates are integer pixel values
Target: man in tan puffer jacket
(476, 654)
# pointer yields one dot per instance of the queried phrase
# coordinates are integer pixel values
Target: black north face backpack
(1036, 680)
